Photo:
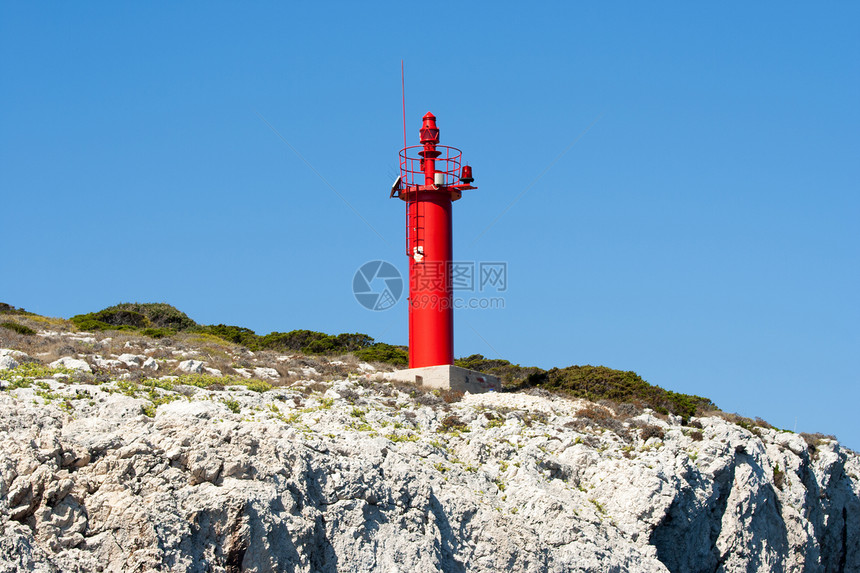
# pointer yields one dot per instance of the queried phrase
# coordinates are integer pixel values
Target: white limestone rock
(366, 478)
(150, 364)
(13, 353)
(131, 360)
(10, 358)
(266, 373)
(191, 366)
(108, 363)
(71, 363)
(183, 353)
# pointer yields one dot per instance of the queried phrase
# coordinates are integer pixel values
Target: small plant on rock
(17, 327)
(452, 423)
(232, 405)
(652, 431)
(778, 477)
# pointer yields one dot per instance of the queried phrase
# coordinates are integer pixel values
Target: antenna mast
(403, 87)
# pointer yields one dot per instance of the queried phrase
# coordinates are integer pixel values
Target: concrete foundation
(448, 377)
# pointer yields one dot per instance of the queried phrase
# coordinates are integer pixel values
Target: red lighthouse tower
(431, 178)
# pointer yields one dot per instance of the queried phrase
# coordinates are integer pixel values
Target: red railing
(412, 165)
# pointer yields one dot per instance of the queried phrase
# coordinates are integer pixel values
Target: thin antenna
(403, 86)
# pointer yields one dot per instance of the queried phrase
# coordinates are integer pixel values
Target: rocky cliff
(104, 466)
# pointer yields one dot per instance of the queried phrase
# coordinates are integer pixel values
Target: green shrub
(113, 319)
(778, 477)
(134, 316)
(9, 309)
(511, 375)
(157, 314)
(258, 386)
(23, 375)
(19, 328)
(157, 332)
(87, 323)
(292, 341)
(386, 353)
(602, 383)
(312, 342)
(235, 334)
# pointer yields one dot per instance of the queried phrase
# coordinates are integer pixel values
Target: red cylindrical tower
(429, 182)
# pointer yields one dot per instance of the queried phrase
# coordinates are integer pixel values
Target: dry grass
(597, 415)
(815, 441)
(44, 349)
(651, 431)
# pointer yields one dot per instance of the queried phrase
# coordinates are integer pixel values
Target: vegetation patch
(453, 424)
(652, 431)
(9, 309)
(593, 383)
(778, 477)
(601, 383)
(232, 405)
(18, 327)
(23, 375)
(402, 437)
(160, 320)
(204, 381)
(511, 375)
(815, 441)
(386, 353)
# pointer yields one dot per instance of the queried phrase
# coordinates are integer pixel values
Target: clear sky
(674, 185)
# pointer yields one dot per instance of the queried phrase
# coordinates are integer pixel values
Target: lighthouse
(432, 177)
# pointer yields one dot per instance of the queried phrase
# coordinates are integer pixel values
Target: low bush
(9, 309)
(312, 342)
(778, 477)
(23, 375)
(652, 431)
(134, 316)
(512, 376)
(19, 328)
(157, 314)
(602, 383)
(157, 332)
(452, 423)
(385, 353)
(602, 417)
(815, 441)
(429, 399)
(236, 334)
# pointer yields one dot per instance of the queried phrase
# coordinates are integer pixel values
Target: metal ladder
(414, 224)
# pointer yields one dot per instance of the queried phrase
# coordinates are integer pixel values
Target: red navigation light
(466, 174)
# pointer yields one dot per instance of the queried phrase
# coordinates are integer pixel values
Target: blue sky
(684, 178)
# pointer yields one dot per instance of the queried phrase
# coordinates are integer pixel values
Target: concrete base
(448, 377)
